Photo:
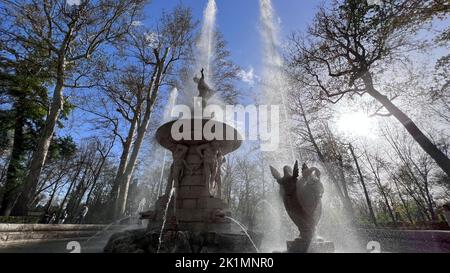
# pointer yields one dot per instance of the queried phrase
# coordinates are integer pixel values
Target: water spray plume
(166, 211)
(274, 85)
(167, 116)
(206, 43)
(245, 231)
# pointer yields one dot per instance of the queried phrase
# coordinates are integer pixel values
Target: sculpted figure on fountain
(208, 153)
(302, 198)
(218, 178)
(205, 92)
(177, 168)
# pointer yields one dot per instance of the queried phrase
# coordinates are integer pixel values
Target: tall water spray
(274, 88)
(274, 84)
(203, 55)
(206, 44)
(270, 39)
(172, 194)
(170, 104)
(334, 224)
(167, 117)
(203, 59)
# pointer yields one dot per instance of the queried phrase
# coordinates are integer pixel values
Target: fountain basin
(229, 140)
(176, 241)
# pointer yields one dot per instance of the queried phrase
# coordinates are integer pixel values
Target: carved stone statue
(218, 179)
(205, 92)
(302, 199)
(177, 167)
(208, 152)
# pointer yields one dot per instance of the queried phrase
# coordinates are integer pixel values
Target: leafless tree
(349, 43)
(71, 35)
(132, 90)
(415, 173)
(323, 144)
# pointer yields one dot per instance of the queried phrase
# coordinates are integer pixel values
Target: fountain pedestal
(194, 220)
(194, 208)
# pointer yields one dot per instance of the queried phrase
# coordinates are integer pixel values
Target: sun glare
(356, 124)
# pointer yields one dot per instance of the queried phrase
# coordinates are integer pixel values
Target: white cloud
(279, 21)
(73, 2)
(136, 23)
(248, 76)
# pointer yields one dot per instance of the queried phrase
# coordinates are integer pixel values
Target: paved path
(78, 243)
(57, 246)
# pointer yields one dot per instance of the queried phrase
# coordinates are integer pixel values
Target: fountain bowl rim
(164, 137)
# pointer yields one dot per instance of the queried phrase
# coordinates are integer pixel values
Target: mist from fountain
(166, 211)
(269, 225)
(171, 102)
(161, 175)
(141, 205)
(245, 231)
(273, 92)
(334, 224)
(105, 229)
(264, 201)
(167, 117)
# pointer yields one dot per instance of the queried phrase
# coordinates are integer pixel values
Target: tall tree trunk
(126, 178)
(40, 154)
(439, 157)
(15, 169)
(366, 193)
(153, 90)
(115, 191)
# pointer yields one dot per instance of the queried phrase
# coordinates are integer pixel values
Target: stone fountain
(191, 217)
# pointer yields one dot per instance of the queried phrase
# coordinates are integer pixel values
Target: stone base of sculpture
(196, 213)
(145, 241)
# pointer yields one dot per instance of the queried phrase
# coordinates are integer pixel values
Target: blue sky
(238, 20)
